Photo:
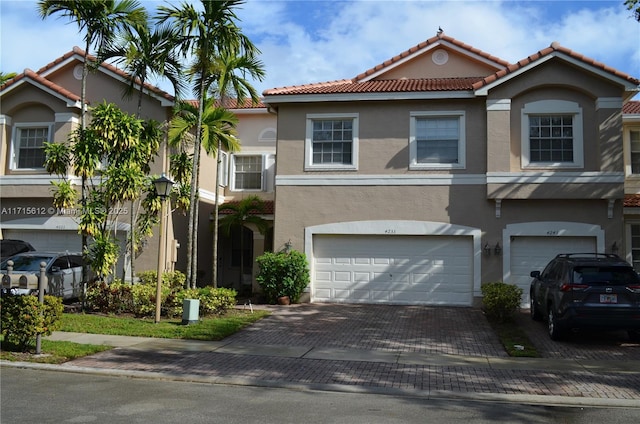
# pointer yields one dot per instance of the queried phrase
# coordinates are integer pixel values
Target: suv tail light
(634, 288)
(572, 287)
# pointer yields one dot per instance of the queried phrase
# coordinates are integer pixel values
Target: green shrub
(500, 300)
(140, 299)
(174, 279)
(23, 318)
(114, 298)
(283, 274)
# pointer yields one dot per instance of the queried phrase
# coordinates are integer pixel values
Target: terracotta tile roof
(80, 52)
(381, 86)
(554, 47)
(631, 108)
(632, 200)
(269, 207)
(29, 74)
(233, 104)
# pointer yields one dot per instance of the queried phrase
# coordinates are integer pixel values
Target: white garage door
(393, 269)
(48, 240)
(534, 253)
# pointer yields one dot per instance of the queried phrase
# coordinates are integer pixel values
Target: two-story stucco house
(44, 105)
(445, 167)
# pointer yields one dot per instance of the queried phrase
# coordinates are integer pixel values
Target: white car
(63, 272)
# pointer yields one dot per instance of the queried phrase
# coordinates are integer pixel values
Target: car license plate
(608, 298)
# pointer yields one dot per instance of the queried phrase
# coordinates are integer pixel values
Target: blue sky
(304, 41)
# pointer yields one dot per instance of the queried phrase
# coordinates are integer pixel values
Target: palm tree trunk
(192, 259)
(214, 270)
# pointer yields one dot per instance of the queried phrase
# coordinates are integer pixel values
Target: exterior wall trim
(555, 177)
(395, 228)
(546, 229)
(351, 97)
(56, 223)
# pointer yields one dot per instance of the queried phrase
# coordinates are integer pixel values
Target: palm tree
(245, 212)
(205, 34)
(217, 129)
(99, 19)
(229, 80)
(143, 52)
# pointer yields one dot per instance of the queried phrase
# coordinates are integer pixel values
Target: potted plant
(282, 275)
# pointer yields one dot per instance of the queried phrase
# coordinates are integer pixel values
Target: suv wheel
(555, 332)
(533, 310)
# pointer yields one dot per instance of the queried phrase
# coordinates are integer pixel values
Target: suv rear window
(600, 275)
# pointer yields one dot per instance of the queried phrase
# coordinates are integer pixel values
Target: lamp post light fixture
(163, 186)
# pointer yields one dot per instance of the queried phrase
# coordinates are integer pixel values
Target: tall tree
(115, 149)
(99, 20)
(240, 215)
(205, 34)
(217, 128)
(229, 79)
(143, 53)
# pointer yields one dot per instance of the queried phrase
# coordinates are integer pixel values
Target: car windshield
(26, 263)
(614, 276)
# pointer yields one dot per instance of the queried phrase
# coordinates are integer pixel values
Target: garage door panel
(399, 269)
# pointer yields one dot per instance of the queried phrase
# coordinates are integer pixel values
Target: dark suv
(587, 290)
(9, 248)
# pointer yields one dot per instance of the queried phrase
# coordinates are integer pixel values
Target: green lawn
(209, 328)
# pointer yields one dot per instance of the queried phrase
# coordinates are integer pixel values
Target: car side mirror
(535, 274)
(55, 269)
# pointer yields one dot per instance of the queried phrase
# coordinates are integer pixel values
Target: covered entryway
(394, 268)
(538, 243)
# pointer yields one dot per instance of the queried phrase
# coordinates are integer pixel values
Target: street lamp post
(163, 187)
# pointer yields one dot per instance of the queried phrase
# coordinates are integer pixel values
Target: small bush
(23, 318)
(500, 300)
(283, 274)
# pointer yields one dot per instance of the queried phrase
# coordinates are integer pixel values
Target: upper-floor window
(28, 146)
(634, 137)
(247, 172)
(331, 141)
(437, 140)
(552, 135)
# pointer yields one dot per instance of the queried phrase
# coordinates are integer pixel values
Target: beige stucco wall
(383, 135)
(455, 66)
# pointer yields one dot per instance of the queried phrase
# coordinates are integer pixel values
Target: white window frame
(233, 171)
(308, 148)
(552, 107)
(15, 147)
(629, 149)
(413, 142)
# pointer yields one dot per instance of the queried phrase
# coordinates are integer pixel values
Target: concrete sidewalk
(414, 351)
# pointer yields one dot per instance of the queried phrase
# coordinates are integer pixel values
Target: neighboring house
(445, 167)
(45, 106)
(249, 172)
(631, 137)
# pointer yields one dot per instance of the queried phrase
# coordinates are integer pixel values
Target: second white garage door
(534, 253)
(393, 269)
